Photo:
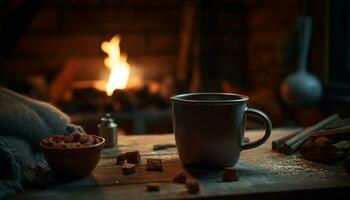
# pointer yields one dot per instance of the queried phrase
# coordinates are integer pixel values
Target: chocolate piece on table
(180, 178)
(153, 187)
(192, 186)
(120, 159)
(154, 164)
(133, 157)
(128, 168)
(230, 174)
(319, 150)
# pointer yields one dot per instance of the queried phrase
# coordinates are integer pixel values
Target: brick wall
(271, 24)
(244, 41)
(222, 37)
(76, 28)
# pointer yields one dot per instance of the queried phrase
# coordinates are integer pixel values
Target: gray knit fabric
(24, 122)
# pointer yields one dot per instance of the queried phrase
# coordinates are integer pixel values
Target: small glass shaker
(107, 128)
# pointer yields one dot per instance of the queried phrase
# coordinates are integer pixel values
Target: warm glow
(117, 64)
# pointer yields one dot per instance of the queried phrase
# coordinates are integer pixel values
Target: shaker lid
(107, 119)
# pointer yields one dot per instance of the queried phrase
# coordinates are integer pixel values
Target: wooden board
(263, 174)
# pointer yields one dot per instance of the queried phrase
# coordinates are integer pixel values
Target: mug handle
(268, 128)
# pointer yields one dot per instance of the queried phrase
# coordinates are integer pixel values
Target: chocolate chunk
(323, 141)
(230, 174)
(154, 164)
(322, 151)
(180, 178)
(133, 157)
(120, 159)
(153, 187)
(128, 168)
(192, 186)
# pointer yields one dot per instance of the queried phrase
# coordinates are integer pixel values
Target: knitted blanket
(24, 122)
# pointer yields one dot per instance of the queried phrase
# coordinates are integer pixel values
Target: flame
(117, 64)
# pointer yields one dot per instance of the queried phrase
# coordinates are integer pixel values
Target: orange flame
(117, 64)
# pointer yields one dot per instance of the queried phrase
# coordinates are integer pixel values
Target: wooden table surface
(263, 175)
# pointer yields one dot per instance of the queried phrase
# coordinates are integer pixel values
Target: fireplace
(118, 88)
(61, 52)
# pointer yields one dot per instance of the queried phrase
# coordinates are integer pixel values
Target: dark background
(241, 46)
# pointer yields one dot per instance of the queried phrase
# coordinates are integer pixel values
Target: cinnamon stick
(335, 134)
(292, 148)
(292, 144)
(342, 123)
(343, 145)
(277, 145)
(295, 142)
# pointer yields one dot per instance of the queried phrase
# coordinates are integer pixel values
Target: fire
(117, 64)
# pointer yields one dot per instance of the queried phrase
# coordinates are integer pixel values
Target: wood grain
(263, 174)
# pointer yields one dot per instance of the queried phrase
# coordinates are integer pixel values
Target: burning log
(137, 98)
(123, 100)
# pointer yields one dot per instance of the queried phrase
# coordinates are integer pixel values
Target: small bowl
(73, 163)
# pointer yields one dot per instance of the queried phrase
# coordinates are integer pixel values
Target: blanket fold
(24, 122)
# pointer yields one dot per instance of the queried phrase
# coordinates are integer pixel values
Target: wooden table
(263, 175)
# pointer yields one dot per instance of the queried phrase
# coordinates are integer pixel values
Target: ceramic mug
(209, 128)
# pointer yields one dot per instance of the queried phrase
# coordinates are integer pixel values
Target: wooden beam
(64, 79)
(186, 37)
